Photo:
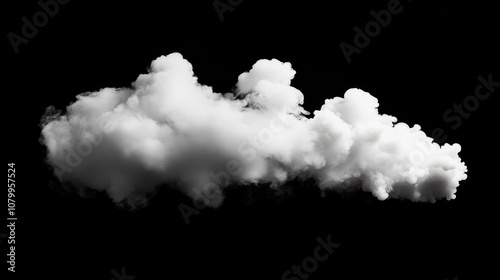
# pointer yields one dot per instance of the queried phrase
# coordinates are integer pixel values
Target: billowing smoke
(170, 130)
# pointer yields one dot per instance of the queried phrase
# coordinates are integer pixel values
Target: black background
(424, 61)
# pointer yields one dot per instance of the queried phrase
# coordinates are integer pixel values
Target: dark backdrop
(427, 59)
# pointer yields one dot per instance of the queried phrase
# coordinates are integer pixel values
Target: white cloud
(168, 126)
